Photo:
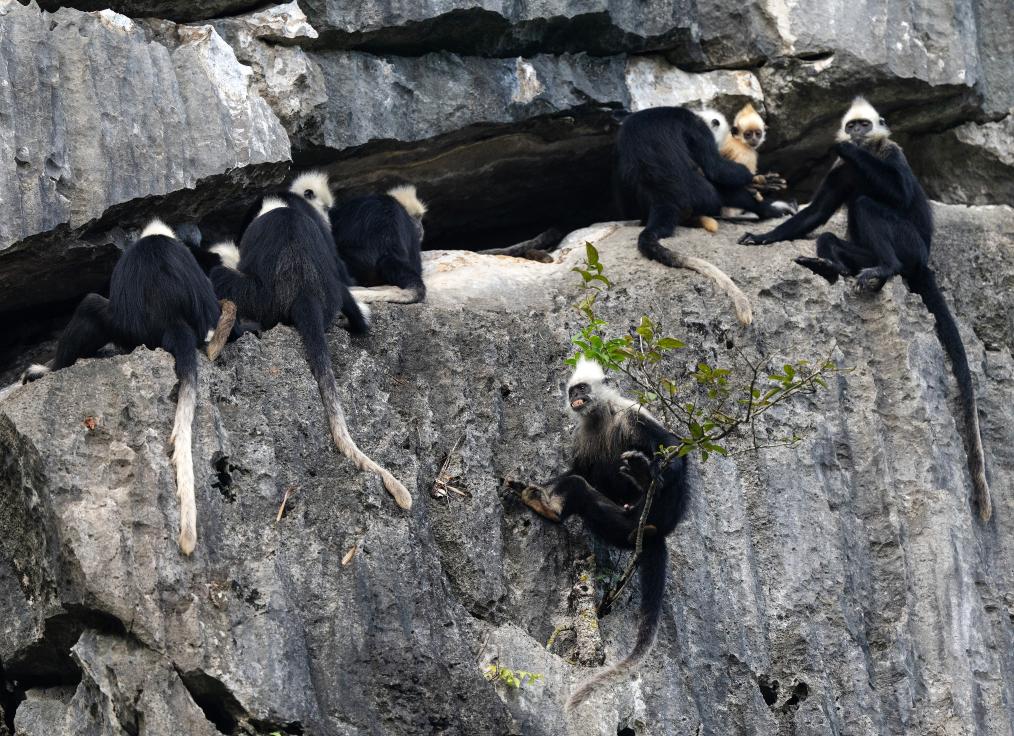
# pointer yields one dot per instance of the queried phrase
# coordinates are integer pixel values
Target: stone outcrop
(98, 119)
(841, 586)
(804, 585)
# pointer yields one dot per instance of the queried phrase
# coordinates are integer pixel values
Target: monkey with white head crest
(615, 459)
(286, 271)
(159, 298)
(890, 230)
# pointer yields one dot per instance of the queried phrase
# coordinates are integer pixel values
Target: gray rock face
(166, 121)
(810, 588)
(501, 28)
(988, 154)
(190, 10)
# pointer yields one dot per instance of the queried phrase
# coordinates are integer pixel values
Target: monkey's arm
(831, 195)
(719, 171)
(889, 180)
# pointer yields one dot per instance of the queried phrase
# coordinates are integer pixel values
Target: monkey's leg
(241, 290)
(542, 501)
(882, 232)
(179, 339)
(830, 263)
(606, 519)
(743, 199)
(88, 330)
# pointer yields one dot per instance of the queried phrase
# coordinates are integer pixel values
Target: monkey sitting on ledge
(614, 462)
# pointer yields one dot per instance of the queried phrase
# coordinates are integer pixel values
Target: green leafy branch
(514, 679)
(705, 405)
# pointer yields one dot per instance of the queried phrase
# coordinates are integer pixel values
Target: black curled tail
(661, 223)
(653, 566)
(925, 285)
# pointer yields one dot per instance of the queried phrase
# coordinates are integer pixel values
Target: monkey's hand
(770, 182)
(751, 239)
(636, 467)
(869, 280)
(534, 497)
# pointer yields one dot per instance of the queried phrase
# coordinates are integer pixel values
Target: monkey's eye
(308, 193)
(715, 123)
(581, 387)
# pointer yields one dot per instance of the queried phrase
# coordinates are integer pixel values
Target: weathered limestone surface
(988, 153)
(839, 587)
(96, 116)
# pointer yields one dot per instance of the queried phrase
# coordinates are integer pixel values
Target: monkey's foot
(222, 331)
(540, 256)
(535, 498)
(869, 281)
(821, 267)
(709, 224)
(650, 531)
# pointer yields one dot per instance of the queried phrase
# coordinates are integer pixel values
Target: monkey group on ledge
(303, 260)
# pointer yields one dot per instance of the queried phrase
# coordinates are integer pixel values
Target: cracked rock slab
(167, 119)
(805, 581)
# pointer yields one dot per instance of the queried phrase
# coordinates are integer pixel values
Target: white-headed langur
(740, 143)
(615, 459)
(289, 273)
(890, 230)
(668, 172)
(160, 298)
(379, 237)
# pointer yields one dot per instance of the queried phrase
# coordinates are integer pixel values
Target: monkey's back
(369, 229)
(657, 157)
(155, 283)
(289, 251)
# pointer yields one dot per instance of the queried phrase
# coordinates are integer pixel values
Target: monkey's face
(580, 398)
(753, 137)
(858, 129)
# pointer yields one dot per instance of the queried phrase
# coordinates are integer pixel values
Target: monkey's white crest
(313, 186)
(228, 252)
(749, 119)
(716, 122)
(586, 371)
(157, 227)
(863, 110)
(271, 203)
(407, 198)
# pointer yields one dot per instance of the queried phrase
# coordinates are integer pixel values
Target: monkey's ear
(734, 130)
(883, 123)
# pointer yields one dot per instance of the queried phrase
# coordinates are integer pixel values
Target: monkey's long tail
(947, 330)
(653, 566)
(309, 322)
(661, 224)
(393, 294)
(183, 345)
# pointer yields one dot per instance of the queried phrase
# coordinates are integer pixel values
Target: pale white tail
(347, 446)
(744, 313)
(183, 461)
(392, 294)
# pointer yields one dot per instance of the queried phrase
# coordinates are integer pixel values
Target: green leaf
(646, 329)
(670, 343)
